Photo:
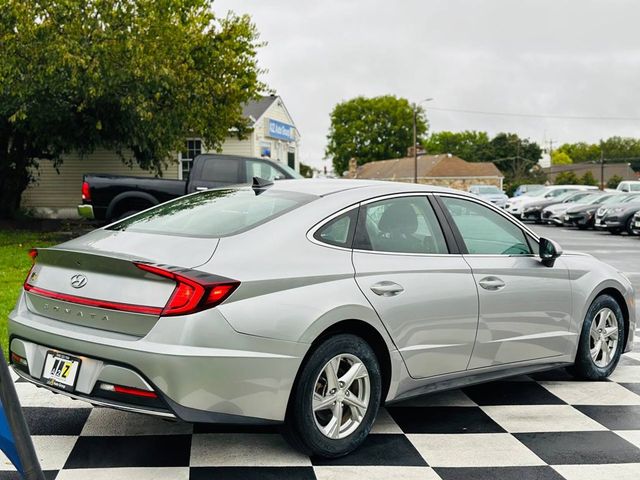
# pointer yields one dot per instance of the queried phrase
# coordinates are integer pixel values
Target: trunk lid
(92, 281)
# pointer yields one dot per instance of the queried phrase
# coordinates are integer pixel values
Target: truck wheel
(335, 399)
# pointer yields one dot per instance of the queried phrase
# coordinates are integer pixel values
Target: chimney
(353, 168)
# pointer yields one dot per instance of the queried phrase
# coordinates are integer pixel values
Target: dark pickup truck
(111, 197)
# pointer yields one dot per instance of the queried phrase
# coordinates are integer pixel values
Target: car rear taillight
(192, 293)
(86, 191)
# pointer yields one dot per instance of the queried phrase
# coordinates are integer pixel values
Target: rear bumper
(86, 211)
(201, 369)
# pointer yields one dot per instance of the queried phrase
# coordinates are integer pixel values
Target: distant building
(442, 170)
(274, 136)
(622, 170)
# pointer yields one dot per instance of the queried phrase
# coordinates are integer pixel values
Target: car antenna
(259, 185)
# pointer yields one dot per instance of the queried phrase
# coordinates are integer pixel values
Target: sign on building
(280, 130)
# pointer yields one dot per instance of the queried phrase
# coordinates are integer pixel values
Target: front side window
(256, 168)
(399, 225)
(214, 213)
(485, 231)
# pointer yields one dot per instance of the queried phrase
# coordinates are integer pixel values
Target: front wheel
(601, 340)
(335, 399)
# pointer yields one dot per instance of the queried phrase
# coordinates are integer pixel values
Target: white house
(274, 135)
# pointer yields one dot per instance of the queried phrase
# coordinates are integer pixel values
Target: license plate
(61, 370)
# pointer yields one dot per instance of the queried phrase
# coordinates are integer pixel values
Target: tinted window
(485, 231)
(214, 213)
(256, 168)
(222, 170)
(338, 231)
(402, 225)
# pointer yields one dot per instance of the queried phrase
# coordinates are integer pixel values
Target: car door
(525, 307)
(425, 296)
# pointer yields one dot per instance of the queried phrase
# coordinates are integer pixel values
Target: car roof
(327, 186)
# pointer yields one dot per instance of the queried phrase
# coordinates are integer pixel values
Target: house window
(193, 148)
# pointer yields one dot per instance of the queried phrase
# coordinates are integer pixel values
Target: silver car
(309, 304)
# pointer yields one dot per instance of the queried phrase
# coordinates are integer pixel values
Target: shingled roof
(429, 166)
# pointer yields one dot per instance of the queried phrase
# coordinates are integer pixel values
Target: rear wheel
(336, 398)
(601, 340)
(629, 226)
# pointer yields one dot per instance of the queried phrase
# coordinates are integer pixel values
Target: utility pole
(601, 167)
(415, 137)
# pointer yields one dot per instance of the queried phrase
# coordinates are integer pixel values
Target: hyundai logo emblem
(78, 280)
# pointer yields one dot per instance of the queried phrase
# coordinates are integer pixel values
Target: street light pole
(415, 137)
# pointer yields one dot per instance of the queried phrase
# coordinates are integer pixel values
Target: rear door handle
(387, 289)
(491, 283)
(201, 189)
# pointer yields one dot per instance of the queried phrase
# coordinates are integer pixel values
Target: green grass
(14, 266)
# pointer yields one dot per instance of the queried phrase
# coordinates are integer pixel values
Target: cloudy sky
(544, 58)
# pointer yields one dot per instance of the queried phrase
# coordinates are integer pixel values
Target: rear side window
(214, 213)
(339, 231)
(399, 225)
(223, 170)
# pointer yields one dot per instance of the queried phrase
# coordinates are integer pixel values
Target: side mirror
(549, 251)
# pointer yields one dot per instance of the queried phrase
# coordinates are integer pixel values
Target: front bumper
(201, 369)
(532, 215)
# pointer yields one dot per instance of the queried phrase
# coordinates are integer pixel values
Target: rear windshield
(214, 213)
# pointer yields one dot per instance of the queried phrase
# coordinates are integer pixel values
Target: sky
(544, 58)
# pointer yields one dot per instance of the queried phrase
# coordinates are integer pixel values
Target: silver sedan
(310, 304)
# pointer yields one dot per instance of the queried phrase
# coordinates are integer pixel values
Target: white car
(516, 205)
(629, 186)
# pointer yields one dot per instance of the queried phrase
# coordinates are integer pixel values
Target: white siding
(58, 194)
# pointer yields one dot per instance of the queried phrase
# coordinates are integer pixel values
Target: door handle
(387, 289)
(491, 283)
(201, 189)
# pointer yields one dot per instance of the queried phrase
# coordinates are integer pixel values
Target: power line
(535, 115)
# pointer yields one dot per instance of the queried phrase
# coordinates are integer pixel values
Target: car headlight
(618, 210)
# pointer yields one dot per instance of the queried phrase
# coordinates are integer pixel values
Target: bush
(567, 178)
(589, 179)
(614, 181)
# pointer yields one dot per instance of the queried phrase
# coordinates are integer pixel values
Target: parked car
(583, 215)
(526, 189)
(532, 212)
(635, 230)
(629, 186)
(515, 206)
(490, 193)
(112, 197)
(618, 217)
(311, 303)
(554, 214)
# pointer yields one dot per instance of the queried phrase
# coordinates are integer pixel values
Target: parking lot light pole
(415, 137)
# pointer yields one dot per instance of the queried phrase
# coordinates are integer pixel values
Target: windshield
(538, 193)
(289, 170)
(214, 213)
(617, 198)
(577, 197)
(591, 199)
(488, 189)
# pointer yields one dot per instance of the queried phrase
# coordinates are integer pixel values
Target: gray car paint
(241, 358)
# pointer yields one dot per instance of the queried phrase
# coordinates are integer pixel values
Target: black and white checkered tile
(543, 426)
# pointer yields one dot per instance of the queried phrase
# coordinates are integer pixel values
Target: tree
(614, 181)
(580, 152)
(135, 76)
(306, 171)
(567, 178)
(560, 158)
(370, 129)
(588, 179)
(469, 145)
(515, 156)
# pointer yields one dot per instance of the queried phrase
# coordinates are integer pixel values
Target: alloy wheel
(603, 341)
(341, 396)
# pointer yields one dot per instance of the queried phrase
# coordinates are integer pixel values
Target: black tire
(126, 214)
(582, 227)
(615, 231)
(584, 366)
(629, 226)
(300, 427)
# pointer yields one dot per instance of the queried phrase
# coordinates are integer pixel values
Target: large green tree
(515, 156)
(371, 129)
(469, 145)
(614, 149)
(134, 76)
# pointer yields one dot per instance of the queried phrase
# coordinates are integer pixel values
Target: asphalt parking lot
(541, 426)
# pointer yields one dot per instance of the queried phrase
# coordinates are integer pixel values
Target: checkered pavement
(542, 426)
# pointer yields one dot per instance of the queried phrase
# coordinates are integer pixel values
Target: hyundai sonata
(310, 304)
